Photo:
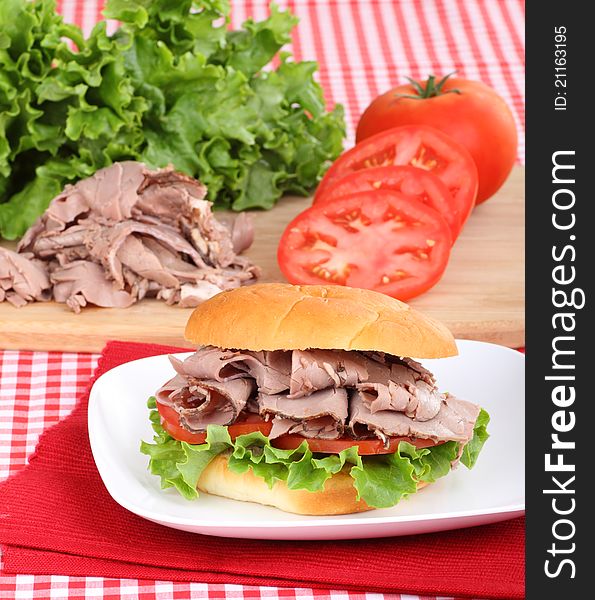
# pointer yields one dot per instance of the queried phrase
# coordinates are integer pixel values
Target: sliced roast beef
(318, 394)
(22, 278)
(322, 414)
(270, 370)
(324, 428)
(110, 194)
(242, 233)
(202, 403)
(388, 383)
(210, 363)
(422, 372)
(105, 243)
(401, 385)
(179, 201)
(168, 197)
(454, 421)
(140, 259)
(151, 232)
(313, 370)
(171, 260)
(82, 282)
(216, 403)
(45, 246)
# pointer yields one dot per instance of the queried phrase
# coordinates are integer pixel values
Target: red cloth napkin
(57, 518)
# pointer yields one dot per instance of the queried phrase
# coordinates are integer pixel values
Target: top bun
(280, 316)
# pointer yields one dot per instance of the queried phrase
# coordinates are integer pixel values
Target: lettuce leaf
(381, 480)
(171, 85)
(480, 436)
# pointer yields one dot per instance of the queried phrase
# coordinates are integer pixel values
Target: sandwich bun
(338, 497)
(278, 316)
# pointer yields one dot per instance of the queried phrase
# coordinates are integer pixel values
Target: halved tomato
(419, 146)
(415, 183)
(468, 111)
(381, 241)
(170, 421)
(364, 447)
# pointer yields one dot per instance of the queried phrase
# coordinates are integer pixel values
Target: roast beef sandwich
(306, 398)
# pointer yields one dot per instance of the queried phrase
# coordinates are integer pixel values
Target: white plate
(489, 375)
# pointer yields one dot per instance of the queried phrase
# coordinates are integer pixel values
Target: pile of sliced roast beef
(124, 234)
(317, 394)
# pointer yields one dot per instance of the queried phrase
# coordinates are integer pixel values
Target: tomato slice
(415, 183)
(364, 447)
(419, 146)
(251, 422)
(170, 421)
(381, 240)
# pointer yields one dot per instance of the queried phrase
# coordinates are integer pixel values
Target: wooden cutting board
(481, 295)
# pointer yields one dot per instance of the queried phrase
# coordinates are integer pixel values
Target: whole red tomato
(469, 111)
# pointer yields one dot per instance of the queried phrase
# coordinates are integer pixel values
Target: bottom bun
(338, 497)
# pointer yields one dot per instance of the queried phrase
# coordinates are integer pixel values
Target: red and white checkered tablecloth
(364, 47)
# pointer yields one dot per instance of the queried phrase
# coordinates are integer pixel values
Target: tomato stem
(431, 88)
